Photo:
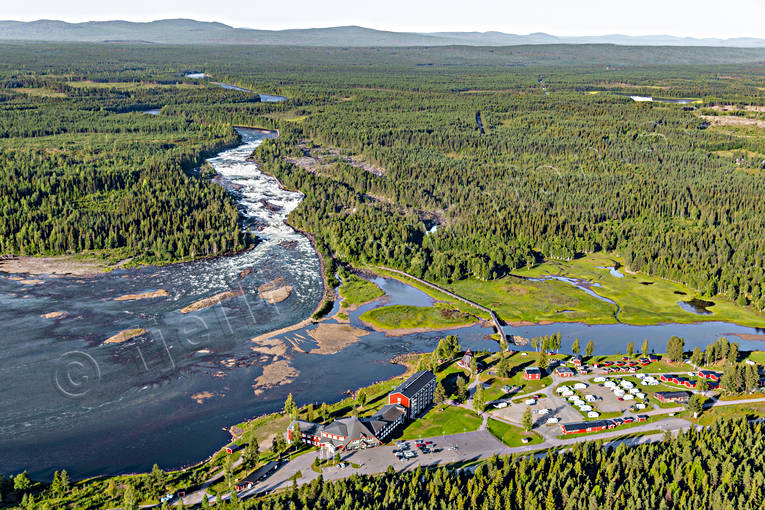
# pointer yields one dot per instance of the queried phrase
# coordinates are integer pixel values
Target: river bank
(87, 402)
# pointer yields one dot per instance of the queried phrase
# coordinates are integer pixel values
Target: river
(71, 401)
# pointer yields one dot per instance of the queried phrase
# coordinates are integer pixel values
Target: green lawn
(756, 356)
(662, 366)
(356, 291)
(441, 421)
(430, 291)
(642, 299)
(744, 410)
(517, 362)
(406, 316)
(510, 434)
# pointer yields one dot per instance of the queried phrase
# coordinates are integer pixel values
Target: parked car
(500, 405)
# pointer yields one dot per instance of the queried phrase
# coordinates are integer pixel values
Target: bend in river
(163, 396)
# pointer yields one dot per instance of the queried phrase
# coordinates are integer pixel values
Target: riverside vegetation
(718, 468)
(554, 176)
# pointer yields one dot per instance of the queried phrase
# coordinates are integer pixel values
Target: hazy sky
(696, 18)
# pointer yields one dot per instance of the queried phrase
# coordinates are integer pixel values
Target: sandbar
(212, 300)
(334, 338)
(125, 335)
(145, 295)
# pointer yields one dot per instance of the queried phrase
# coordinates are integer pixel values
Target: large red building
(416, 393)
(408, 399)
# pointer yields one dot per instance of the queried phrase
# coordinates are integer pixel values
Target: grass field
(517, 362)
(510, 434)
(405, 316)
(435, 294)
(642, 299)
(356, 291)
(441, 421)
(749, 411)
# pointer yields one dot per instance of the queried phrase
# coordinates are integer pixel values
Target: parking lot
(409, 450)
(606, 401)
(558, 407)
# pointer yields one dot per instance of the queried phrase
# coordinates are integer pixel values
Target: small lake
(266, 98)
(651, 99)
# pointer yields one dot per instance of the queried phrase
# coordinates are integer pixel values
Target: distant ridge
(186, 31)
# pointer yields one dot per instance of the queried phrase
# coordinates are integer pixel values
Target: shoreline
(408, 331)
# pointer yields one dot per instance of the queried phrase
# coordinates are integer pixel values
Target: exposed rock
(277, 373)
(212, 300)
(200, 397)
(275, 291)
(125, 335)
(53, 315)
(145, 295)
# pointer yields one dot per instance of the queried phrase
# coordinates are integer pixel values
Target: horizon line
(395, 31)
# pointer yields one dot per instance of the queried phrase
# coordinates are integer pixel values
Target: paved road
(463, 447)
(467, 446)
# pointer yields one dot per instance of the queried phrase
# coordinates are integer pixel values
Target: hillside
(185, 31)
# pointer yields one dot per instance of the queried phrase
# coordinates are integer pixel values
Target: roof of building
(672, 394)
(264, 470)
(351, 428)
(533, 370)
(386, 415)
(581, 425)
(562, 369)
(415, 383)
(307, 427)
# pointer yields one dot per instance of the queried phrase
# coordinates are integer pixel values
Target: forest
(553, 173)
(719, 468)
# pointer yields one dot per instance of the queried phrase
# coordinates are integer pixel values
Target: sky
(690, 18)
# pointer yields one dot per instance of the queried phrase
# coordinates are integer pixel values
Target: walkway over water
(494, 319)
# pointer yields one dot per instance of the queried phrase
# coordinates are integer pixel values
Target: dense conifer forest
(720, 468)
(717, 468)
(565, 166)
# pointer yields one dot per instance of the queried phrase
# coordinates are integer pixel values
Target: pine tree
(696, 357)
(290, 408)
(527, 421)
(439, 395)
(129, 498)
(478, 398)
(461, 389)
